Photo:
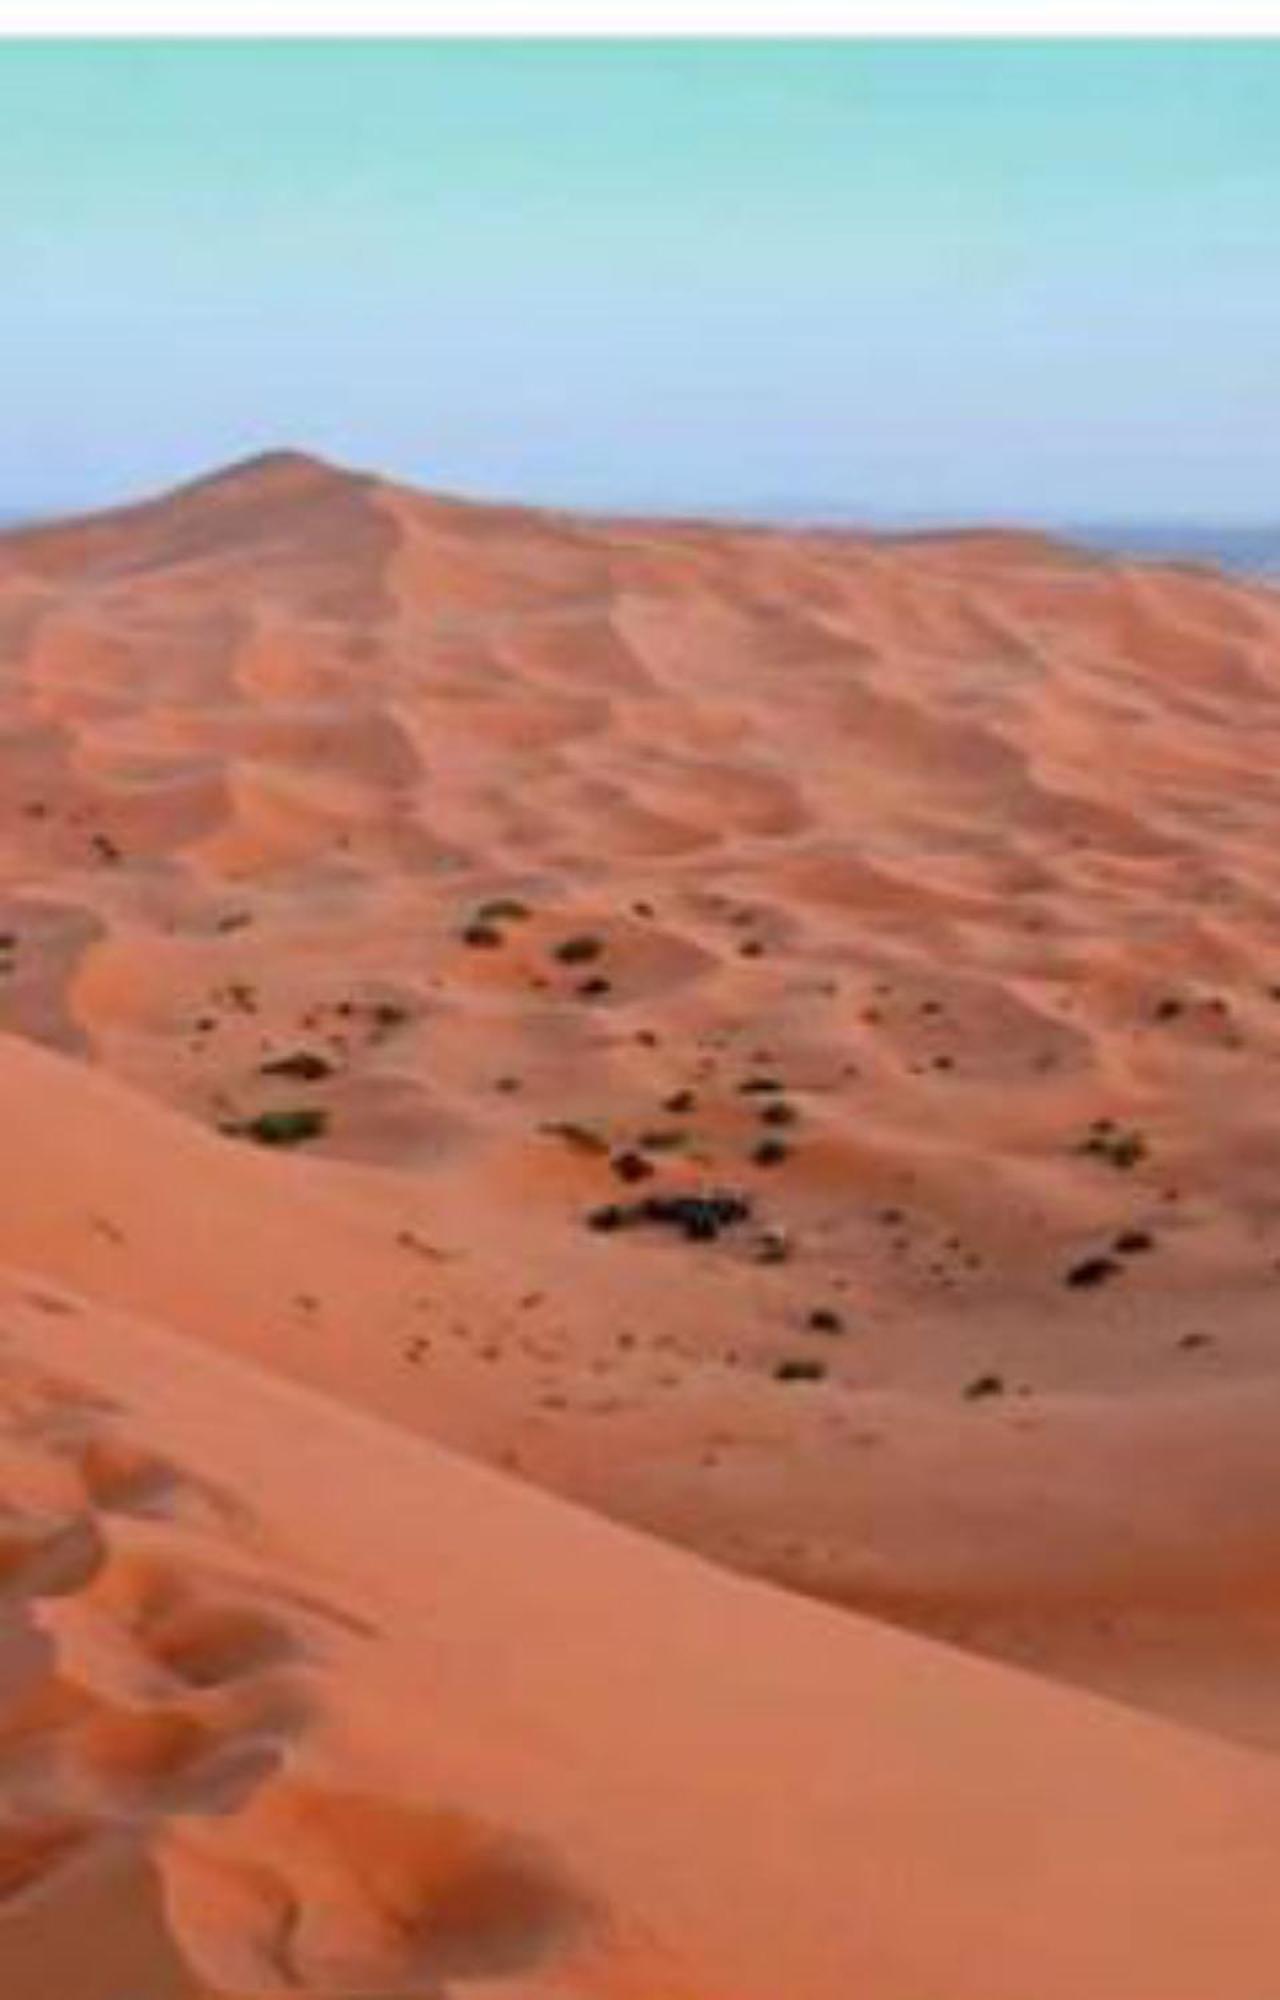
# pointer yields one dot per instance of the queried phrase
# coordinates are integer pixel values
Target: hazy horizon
(936, 280)
(1238, 542)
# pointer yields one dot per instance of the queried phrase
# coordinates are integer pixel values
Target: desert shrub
(578, 950)
(301, 1063)
(282, 1128)
(799, 1370)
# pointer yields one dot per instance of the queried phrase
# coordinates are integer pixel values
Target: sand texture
(638, 1356)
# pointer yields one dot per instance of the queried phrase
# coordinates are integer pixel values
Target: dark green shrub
(799, 1371)
(281, 1128)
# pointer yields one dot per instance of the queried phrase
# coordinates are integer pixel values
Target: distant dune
(769, 1037)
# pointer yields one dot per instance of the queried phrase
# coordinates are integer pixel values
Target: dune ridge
(515, 870)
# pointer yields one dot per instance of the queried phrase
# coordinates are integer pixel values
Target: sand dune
(511, 870)
(440, 1734)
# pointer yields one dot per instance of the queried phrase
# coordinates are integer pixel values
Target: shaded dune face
(429, 1742)
(506, 867)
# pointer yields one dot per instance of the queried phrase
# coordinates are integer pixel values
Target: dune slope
(765, 1035)
(293, 1702)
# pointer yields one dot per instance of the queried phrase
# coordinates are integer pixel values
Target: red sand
(959, 850)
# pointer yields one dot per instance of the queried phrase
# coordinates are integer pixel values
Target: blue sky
(1026, 280)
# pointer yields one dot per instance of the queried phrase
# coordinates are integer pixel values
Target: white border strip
(641, 18)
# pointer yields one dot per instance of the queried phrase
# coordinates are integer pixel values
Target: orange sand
(954, 846)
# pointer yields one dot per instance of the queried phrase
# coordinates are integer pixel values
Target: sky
(1018, 280)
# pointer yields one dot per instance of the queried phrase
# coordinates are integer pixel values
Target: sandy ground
(897, 920)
